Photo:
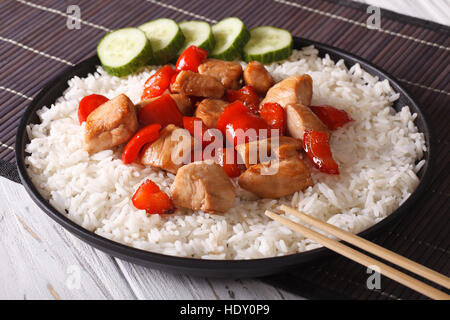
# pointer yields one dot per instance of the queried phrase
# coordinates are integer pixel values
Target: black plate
(209, 268)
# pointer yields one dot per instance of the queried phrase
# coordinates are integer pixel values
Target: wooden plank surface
(40, 260)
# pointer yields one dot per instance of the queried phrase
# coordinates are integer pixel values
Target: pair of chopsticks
(363, 259)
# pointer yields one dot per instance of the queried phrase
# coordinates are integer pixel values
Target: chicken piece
(295, 89)
(111, 124)
(300, 118)
(286, 148)
(203, 186)
(183, 102)
(195, 84)
(291, 175)
(258, 77)
(227, 72)
(170, 151)
(209, 110)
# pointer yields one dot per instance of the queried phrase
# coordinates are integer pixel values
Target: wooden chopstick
(361, 258)
(371, 247)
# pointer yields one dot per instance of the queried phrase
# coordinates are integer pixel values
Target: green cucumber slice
(231, 35)
(197, 33)
(268, 44)
(124, 51)
(166, 39)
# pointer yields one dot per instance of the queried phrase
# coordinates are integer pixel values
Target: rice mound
(379, 155)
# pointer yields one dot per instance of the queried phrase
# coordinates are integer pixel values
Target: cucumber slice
(268, 44)
(231, 36)
(124, 51)
(166, 39)
(197, 33)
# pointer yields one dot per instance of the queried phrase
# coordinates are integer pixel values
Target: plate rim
(198, 266)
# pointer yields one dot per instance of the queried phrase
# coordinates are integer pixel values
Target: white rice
(378, 155)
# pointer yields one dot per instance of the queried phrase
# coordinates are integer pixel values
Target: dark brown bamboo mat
(35, 44)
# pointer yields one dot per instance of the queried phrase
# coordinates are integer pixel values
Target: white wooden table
(40, 260)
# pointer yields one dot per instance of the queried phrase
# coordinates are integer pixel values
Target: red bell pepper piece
(174, 78)
(162, 110)
(191, 58)
(247, 95)
(274, 115)
(146, 135)
(246, 123)
(189, 125)
(237, 116)
(332, 117)
(150, 198)
(158, 83)
(89, 104)
(230, 167)
(317, 147)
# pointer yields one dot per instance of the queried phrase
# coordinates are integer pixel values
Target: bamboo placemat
(35, 44)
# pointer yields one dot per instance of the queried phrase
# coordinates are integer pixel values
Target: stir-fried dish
(215, 124)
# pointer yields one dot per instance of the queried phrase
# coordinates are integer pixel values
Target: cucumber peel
(166, 39)
(124, 51)
(231, 35)
(268, 44)
(197, 33)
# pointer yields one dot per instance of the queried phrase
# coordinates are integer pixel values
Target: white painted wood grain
(37, 255)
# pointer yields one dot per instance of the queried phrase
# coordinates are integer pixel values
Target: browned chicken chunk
(285, 148)
(203, 186)
(295, 89)
(170, 151)
(111, 124)
(227, 72)
(292, 176)
(183, 103)
(200, 85)
(209, 110)
(300, 118)
(258, 77)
